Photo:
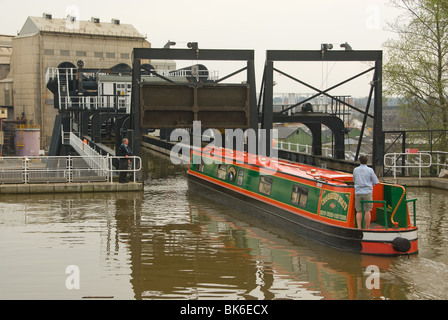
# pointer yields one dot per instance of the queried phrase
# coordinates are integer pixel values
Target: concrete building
(5, 66)
(46, 42)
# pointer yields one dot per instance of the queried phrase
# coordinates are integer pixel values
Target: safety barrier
(308, 149)
(419, 160)
(65, 169)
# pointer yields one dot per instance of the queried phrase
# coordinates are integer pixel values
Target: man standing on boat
(364, 179)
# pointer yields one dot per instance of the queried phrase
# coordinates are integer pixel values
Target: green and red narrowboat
(310, 201)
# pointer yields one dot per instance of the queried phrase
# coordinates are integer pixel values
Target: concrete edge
(46, 188)
(436, 183)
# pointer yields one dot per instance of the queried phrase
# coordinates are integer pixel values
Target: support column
(378, 137)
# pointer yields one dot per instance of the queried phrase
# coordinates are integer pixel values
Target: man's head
(125, 141)
(363, 159)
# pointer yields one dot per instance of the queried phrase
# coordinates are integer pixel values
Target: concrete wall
(6, 89)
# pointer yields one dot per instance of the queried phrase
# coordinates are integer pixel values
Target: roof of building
(71, 25)
(285, 132)
(6, 41)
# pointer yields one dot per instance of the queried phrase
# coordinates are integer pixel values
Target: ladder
(64, 77)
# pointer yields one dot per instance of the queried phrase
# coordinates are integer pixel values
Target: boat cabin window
(240, 177)
(232, 174)
(222, 171)
(299, 196)
(265, 185)
(200, 166)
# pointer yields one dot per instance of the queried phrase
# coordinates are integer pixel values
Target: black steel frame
(192, 54)
(266, 95)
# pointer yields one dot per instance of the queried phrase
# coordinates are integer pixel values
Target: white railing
(439, 159)
(289, 146)
(65, 75)
(211, 74)
(92, 158)
(304, 148)
(421, 160)
(65, 169)
(119, 102)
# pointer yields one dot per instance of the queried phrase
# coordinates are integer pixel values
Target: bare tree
(416, 63)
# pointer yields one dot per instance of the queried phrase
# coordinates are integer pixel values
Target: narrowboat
(311, 201)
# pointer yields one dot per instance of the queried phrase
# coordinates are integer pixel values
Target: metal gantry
(194, 53)
(256, 114)
(268, 117)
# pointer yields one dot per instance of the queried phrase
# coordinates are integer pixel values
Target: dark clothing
(123, 150)
(124, 163)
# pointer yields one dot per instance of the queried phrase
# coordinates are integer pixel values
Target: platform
(90, 187)
(431, 182)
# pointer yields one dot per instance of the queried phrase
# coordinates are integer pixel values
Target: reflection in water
(170, 242)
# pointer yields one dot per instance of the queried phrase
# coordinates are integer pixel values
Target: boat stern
(390, 243)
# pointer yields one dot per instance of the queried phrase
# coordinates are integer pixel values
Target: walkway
(85, 187)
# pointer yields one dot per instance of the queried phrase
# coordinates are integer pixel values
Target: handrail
(61, 169)
(399, 202)
(413, 202)
(395, 209)
(326, 151)
(395, 156)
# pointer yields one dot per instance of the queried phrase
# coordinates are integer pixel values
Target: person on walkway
(124, 152)
(364, 179)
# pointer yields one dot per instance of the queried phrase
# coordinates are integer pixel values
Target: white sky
(258, 25)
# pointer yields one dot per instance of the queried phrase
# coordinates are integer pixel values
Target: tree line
(416, 64)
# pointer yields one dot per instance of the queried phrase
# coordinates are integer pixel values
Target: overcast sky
(236, 24)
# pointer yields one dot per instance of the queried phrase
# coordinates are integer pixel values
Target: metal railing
(117, 102)
(439, 160)
(296, 147)
(65, 169)
(407, 161)
(308, 149)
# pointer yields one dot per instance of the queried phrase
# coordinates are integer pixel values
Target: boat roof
(291, 168)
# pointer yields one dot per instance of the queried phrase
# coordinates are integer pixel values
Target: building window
(110, 55)
(222, 171)
(49, 52)
(65, 53)
(98, 55)
(125, 56)
(81, 53)
(265, 185)
(299, 196)
(7, 98)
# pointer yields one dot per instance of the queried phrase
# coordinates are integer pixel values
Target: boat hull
(372, 242)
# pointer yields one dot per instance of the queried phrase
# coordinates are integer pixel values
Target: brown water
(170, 243)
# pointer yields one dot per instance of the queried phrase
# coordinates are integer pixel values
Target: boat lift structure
(312, 120)
(169, 101)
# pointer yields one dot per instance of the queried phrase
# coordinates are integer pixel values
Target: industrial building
(46, 42)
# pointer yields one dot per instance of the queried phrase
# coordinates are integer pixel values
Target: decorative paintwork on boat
(311, 201)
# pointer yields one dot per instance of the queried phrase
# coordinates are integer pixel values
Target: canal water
(169, 242)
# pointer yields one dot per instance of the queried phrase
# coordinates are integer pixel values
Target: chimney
(95, 20)
(115, 21)
(47, 16)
